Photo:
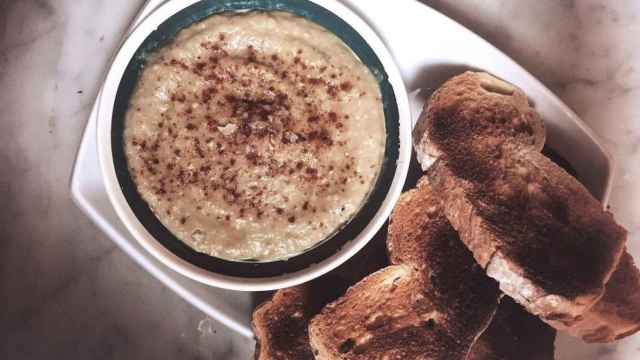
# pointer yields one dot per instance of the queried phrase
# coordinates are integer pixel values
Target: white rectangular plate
(429, 48)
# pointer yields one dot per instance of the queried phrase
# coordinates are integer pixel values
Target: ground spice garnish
(251, 116)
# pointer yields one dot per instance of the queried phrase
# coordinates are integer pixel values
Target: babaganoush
(255, 135)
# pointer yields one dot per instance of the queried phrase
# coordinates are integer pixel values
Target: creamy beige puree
(255, 135)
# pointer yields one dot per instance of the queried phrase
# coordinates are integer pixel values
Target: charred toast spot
(429, 324)
(346, 346)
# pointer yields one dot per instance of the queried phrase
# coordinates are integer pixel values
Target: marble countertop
(66, 291)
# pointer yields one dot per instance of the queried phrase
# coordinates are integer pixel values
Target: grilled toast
(421, 236)
(532, 226)
(418, 225)
(475, 106)
(432, 305)
(385, 316)
(523, 217)
(280, 324)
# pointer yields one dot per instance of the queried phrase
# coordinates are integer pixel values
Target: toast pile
(535, 229)
(280, 324)
(531, 225)
(495, 249)
(432, 303)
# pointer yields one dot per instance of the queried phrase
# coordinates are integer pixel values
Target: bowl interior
(254, 269)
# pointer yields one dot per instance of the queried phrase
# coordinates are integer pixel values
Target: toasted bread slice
(433, 305)
(421, 236)
(418, 225)
(514, 334)
(385, 316)
(532, 226)
(617, 314)
(280, 324)
(475, 105)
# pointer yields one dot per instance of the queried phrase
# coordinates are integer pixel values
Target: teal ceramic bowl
(160, 28)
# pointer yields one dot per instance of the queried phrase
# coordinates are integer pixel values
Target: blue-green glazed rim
(255, 269)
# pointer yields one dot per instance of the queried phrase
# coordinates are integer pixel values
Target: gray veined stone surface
(66, 291)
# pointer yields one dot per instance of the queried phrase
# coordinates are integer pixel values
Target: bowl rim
(106, 106)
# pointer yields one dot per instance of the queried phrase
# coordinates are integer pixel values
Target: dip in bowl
(255, 135)
(253, 145)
